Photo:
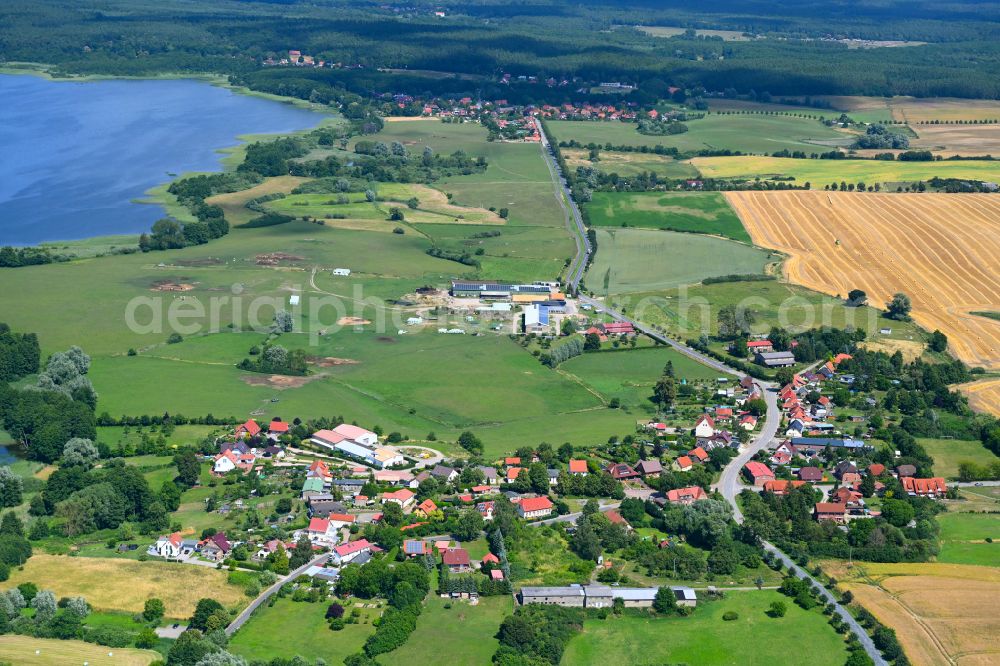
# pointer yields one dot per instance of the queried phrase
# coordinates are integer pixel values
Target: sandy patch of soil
(172, 285)
(275, 258)
(352, 321)
(279, 382)
(330, 361)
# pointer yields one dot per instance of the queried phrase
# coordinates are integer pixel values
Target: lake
(76, 154)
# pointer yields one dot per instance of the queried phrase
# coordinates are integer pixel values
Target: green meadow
(698, 212)
(641, 260)
(630, 164)
(751, 133)
(949, 453)
(705, 638)
(630, 376)
(964, 538)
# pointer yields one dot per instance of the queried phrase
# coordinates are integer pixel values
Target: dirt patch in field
(207, 261)
(279, 382)
(45, 472)
(352, 321)
(386, 339)
(330, 361)
(910, 349)
(173, 285)
(277, 258)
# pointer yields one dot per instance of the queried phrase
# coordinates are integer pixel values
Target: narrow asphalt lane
(266, 594)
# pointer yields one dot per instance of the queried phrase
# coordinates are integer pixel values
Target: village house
(485, 509)
(932, 487)
(698, 454)
(780, 359)
(415, 548)
(276, 429)
(216, 547)
(351, 551)
(426, 508)
(248, 429)
(322, 532)
(810, 474)
(578, 467)
(457, 560)
(765, 346)
(685, 496)
(832, 511)
(649, 469)
(781, 486)
(704, 427)
(682, 464)
(622, 471)
(444, 474)
(229, 460)
(169, 547)
(512, 473)
(903, 471)
(534, 507)
(490, 475)
(758, 473)
(404, 498)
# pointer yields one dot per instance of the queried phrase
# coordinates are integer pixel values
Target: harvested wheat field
(53, 652)
(942, 250)
(984, 395)
(948, 140)
(180, 586)
(942, 613)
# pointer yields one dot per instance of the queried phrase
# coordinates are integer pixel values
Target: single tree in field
(938, 341)
(856, 298)
(665, 391)
(899, 307)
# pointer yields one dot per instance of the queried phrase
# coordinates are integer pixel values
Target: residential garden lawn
(949, 453)
(823, 172)
(750, 133)
(120, 436)
(698, 212)
(462, 634)
(52, 652)
(630, 164)
(635, 260)
(541, 556)
(124, 585)
(630, 375)
(963, 537)
(689, 312)
(704, 638)
(291, 628)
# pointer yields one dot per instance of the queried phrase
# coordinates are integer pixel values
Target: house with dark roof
(649, 469)
(216, 547)
(903, 471)
(833, 511)
(810, 474)
(444, 474)
(622, 471)
(415, 548)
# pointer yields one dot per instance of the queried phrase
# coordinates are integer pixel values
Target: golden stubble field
(125, 585)
(942, 250)
(983, 395)
(943, 614)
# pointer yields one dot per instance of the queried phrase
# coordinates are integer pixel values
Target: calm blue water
(74, 155)
(8, 456)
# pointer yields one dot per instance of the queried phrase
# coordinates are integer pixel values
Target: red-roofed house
(404, 498)
(758, 473)
(490, 558)
(578, 467)
(427, 507)
(617, 519)
(485, 509)
(513, 473)
(248, 429)
(704, 427)
(457, 560)
(168, 547)
(699, 454)
(876, 469)
(723, 412)
(682, 464)
(277, 428)
(593, 330)
(338, 520)
(932, 487)
(760, 346)
(618, 328)
(496, 574)
(830, 511)
(534, 507)
(685, 496)
(511, 460)
(322, 532)
(350, 551)
(781, 487)
(621, 471)
(748, 422)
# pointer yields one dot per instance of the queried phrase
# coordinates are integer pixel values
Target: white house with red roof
(578, 467)
(932, 487)
(534, 507)
(276, 429)
(322, 532)
(685, 496)
(748, 422)
(348, 552)
(357, 434)
(404, 497)
(704, 427)
(169, 547)
(229, 460)
(248, 429)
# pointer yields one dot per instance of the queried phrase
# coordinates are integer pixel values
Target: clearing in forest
(942, 250)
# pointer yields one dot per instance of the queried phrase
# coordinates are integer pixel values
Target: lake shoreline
(95, 245)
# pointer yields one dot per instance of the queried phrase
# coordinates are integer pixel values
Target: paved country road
(266, 594)
(574, 221)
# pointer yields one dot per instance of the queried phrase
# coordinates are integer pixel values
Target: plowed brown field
(942, 250)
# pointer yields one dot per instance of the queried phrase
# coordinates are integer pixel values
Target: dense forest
(792, 51)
